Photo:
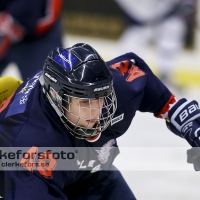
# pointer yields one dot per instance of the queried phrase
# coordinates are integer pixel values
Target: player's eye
(84, 101)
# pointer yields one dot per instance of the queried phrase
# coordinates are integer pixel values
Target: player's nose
(96, 104)
(96, 107)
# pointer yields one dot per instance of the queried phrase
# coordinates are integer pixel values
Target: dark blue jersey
(28, 120)
(36, 16)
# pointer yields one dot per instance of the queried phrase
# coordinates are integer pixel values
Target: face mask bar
(86, 118)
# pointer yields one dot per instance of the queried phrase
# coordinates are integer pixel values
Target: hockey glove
(10, 32)
(184, 121)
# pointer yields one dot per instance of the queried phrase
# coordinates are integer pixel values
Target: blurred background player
(163, 23)
(28, 31)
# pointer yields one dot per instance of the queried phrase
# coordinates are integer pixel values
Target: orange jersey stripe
(164, 111)
(5, 103)
(53, 11)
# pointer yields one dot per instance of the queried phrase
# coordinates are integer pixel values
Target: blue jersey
(36, 16)
(28, 120)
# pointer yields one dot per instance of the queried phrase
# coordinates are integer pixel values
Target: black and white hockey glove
(184, 121)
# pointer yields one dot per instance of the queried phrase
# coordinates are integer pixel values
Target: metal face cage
(85, 117)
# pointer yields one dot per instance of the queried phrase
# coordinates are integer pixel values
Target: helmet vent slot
(98, 78)
(76, 91)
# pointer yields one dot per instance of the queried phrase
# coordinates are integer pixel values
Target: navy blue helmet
(79, 86)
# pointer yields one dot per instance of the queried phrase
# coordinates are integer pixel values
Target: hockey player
(162, 23)
(78, 100)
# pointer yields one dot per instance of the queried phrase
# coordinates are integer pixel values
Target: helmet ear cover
(56, 97)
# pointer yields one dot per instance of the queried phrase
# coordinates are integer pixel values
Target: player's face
(84, 112)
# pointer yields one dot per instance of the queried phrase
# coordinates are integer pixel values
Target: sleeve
(156, 96)
(26, 185)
